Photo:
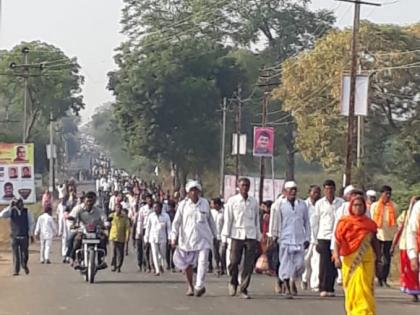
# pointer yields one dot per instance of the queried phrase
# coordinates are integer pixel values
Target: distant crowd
(315, 243)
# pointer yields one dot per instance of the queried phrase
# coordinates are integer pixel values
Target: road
(57, 289)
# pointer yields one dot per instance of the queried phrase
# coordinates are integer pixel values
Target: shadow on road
(140, 281)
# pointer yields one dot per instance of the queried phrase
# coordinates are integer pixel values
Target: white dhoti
(199, 259)
(158, 254)
(311, 274)
(292, 262)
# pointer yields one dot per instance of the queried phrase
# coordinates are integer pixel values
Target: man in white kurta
(219, 253)
(310, 278)
(242, 227)
(324, 221)
(46, 230)
(143, 249)
(290, 226)
(158, 230)
(63, 227)
(193, 233)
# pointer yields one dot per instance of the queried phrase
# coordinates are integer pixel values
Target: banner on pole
(54, 151)
(17, 175)
(271, 188)
(362, 95)
(263, 141)
(242, 144)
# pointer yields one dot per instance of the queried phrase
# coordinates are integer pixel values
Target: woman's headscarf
(352, 229)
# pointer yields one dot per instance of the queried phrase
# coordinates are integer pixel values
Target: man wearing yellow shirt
(384, 213)
(118, 235)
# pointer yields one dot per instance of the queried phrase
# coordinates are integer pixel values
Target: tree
(311, 92)
(172, 115)
(288, 28)
(195, 47)
(54, 85)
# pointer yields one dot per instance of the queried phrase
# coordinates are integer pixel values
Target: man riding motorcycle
(91, 215)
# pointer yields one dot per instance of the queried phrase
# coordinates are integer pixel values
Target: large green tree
(312, 85)
(54, 84)
(182, 57)
(283, 29)
(167, 103)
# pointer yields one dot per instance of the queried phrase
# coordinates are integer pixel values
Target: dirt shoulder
(5, 259)
(5, 255)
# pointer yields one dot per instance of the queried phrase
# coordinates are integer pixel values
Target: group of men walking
(183, 234)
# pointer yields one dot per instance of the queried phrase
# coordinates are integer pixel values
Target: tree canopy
(311, 92)
(181, 58)
(54, 84)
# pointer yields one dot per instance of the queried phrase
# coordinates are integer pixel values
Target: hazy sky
(89, 30)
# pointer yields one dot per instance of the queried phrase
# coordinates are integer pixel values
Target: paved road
(57, 289)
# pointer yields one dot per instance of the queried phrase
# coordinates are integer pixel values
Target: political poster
(263, 141)
(17, 174)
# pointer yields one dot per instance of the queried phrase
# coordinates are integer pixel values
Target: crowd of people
(316, 243)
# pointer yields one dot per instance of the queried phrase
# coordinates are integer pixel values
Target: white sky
(90, 31)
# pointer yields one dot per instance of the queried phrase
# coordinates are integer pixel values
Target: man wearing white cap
(193, 232)
(370, 199)
(290, 227)
(242, 226)
(324, 221)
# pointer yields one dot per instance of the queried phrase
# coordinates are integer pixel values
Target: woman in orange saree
(356, 243)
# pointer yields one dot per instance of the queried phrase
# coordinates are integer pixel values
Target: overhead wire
(316, 34)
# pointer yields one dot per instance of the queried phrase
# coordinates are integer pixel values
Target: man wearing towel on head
(193, 233)
(290, 227)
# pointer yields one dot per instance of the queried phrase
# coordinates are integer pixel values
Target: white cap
(290, 185)
(348, 189)
(192, 184)
(371, 193)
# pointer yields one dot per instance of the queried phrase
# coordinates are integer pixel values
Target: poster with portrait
(17, 175)
(263, 141)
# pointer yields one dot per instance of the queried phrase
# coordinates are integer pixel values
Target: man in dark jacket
(21, 226)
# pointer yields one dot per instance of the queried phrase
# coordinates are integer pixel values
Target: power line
(404, 52)
(407, 66)
(190, 18)
(167, 39)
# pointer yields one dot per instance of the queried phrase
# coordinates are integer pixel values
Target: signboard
(54, 151)
(263, 141)
(362, 95)
(17, 176)
(242, 144)
(270, 192)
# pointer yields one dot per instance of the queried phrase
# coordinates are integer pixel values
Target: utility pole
(238, 131)
(222, 149)
(265, 84)
(26, 72)
(353, 74)
(25, 52)
(262, 159)
(51, 171)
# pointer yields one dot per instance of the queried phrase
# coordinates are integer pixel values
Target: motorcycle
(87, 255)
